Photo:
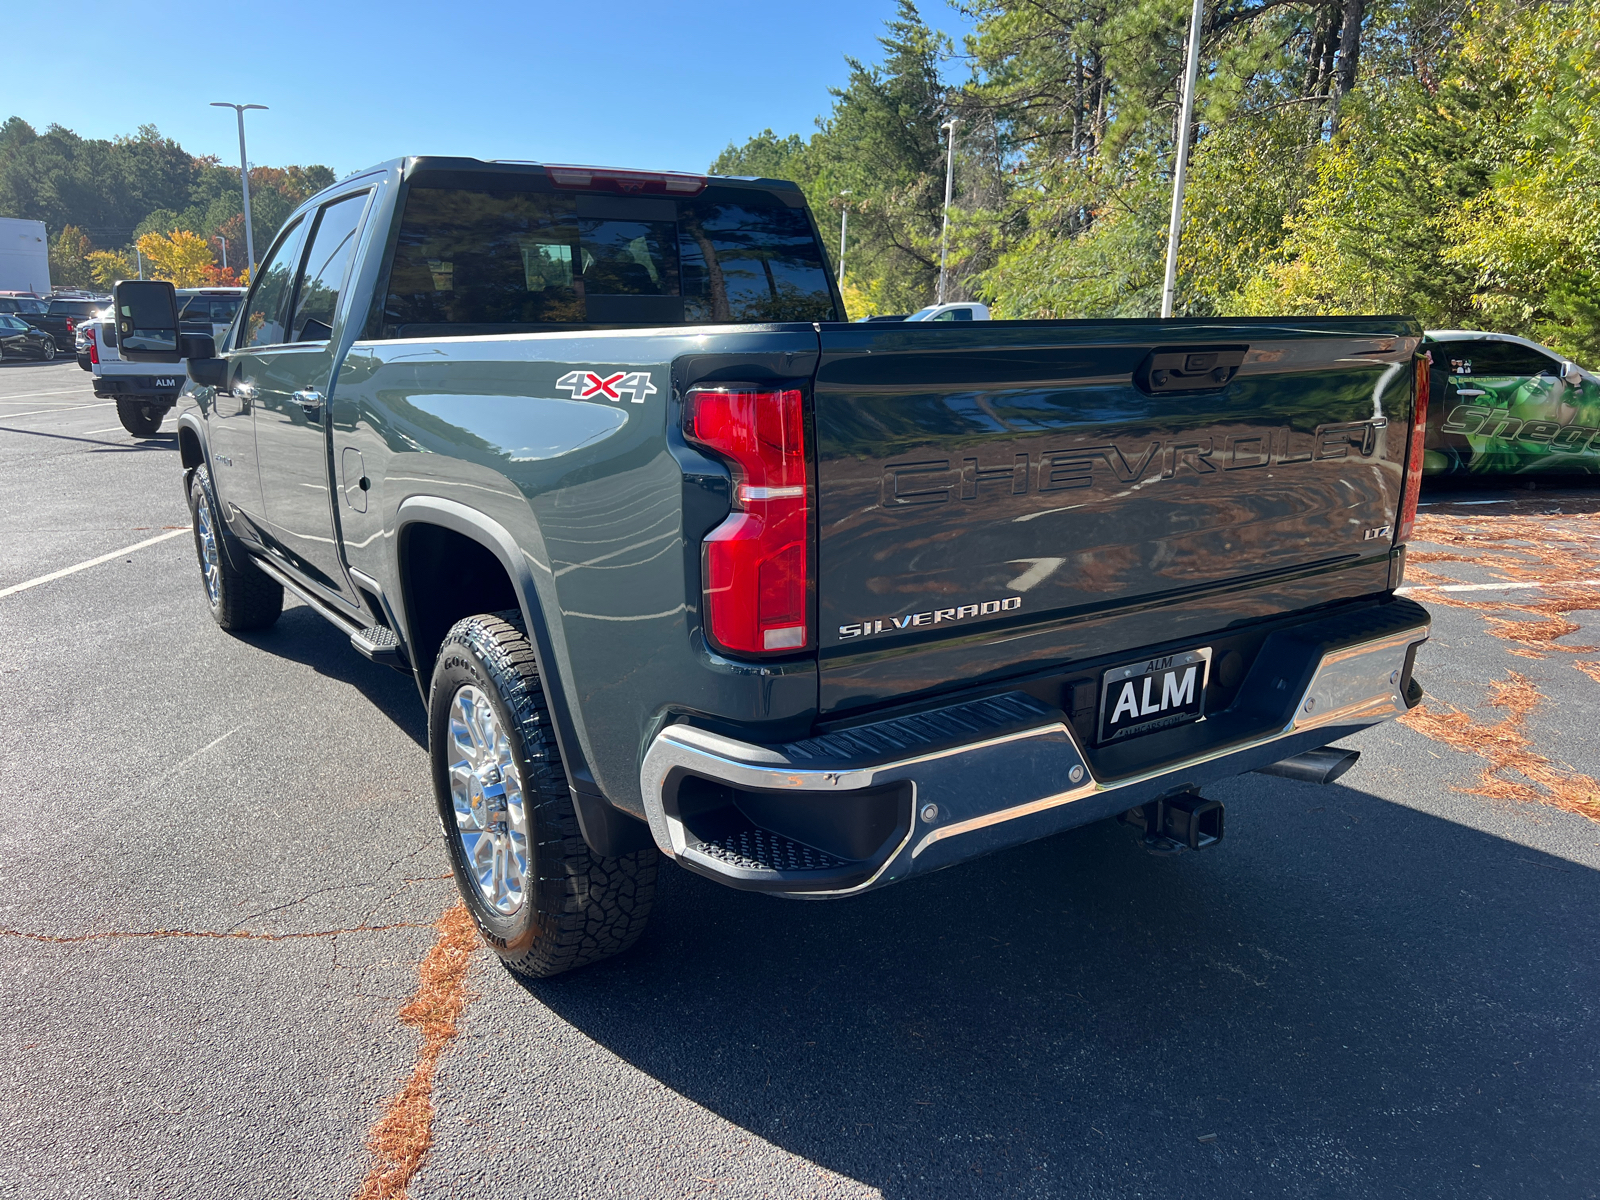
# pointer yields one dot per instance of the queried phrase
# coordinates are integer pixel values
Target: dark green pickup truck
(685, 564)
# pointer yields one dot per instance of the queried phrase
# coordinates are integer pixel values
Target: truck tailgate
(997, 498)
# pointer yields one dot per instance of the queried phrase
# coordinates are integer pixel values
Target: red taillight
(756, 562)
(72, 326)
(94, 347)
(1419, 431)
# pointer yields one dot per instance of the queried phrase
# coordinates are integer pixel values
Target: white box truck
(24, 256)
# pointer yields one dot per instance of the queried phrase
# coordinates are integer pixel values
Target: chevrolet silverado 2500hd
(682, 563)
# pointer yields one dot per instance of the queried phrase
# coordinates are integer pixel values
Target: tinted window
(264, 324)
(12, 323)
(745, 260)
(506, 260)
(8, 305)
(72, 308)
(1492, 358)
(332, 243)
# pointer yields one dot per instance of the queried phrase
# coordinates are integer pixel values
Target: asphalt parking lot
(222, 871)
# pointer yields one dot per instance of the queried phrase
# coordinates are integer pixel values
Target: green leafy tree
(69, 259)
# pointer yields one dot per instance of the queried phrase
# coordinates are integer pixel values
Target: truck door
(231, 424)
(292, 401)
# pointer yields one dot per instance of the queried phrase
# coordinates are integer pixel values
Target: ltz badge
(606, 384)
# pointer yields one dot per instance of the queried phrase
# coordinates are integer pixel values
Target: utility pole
(949, 179)
(224, 242)
(140, 254)
(1191, 74)
(844, 222)
(244, 177)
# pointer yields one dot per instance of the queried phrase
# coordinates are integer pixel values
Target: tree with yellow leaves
(108, 266)
(181, 257)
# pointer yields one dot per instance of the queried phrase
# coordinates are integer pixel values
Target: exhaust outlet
(1186, 821)
(1314, 766)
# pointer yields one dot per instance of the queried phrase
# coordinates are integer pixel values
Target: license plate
(166, 381)
(1156, 693)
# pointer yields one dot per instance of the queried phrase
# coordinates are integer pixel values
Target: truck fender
(495, 538)
(195, 452)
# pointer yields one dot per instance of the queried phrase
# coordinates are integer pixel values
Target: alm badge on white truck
(1155, 694)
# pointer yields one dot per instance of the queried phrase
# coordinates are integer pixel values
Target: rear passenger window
(332, 243)
(1493, 358)
(497, 260)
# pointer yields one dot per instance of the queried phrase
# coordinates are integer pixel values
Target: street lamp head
(235, 107)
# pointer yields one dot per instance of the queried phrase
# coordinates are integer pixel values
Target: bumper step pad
(756, 849)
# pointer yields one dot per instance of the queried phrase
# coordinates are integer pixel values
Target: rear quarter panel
(592, 490)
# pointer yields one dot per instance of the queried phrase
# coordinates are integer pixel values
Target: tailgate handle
(1189, 369)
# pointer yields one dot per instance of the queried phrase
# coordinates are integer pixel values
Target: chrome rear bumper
(1022, 774)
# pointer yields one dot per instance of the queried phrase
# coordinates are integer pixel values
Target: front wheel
(241, 598)
(50, 351)
(140, 417)
(540, 897)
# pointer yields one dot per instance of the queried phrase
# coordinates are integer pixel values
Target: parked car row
(58, 318)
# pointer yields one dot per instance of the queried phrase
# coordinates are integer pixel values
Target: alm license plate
(1157, 693)
(166, 381)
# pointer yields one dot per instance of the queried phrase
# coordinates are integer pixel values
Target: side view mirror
(1570, 374)
(147, 320)
(209, 372)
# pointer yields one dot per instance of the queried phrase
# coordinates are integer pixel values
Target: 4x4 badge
(587, 385)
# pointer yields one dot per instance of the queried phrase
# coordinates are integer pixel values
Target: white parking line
(93, 562)
(32, 395)
(107, 429)
(67, 408)
(1490, 587)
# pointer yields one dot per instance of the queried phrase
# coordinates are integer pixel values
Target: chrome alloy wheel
(205, 528)
(486, 792)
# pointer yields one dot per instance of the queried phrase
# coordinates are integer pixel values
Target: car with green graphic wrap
(1504, 405)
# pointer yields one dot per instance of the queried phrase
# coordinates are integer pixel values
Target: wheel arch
(431, 529)
(191, 444)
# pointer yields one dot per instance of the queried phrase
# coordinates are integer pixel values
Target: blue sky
(619, 83)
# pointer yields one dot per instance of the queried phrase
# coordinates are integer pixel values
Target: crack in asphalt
(241, 935)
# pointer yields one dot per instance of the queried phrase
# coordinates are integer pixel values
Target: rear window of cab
(494, 260)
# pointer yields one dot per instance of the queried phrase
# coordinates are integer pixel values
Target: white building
(24, 256)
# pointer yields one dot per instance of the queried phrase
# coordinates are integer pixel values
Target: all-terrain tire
(140, 417)
(240, 597)
(576, 907)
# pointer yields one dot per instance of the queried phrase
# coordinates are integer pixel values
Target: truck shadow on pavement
(160, 441)
(1354, 997)
(301, 636)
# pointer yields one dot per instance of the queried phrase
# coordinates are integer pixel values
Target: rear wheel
(241, 598)
(541, 898)
(140, 417)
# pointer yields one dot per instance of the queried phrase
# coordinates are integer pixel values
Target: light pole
(844, 222)
(244, 178)
(1170, 288)
(224, 242)
(949, 178)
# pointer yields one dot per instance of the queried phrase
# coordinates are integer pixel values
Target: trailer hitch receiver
(1185, 821)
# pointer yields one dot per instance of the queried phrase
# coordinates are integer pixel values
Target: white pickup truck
(145, 397)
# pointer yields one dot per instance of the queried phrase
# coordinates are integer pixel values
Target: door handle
(310, 402)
